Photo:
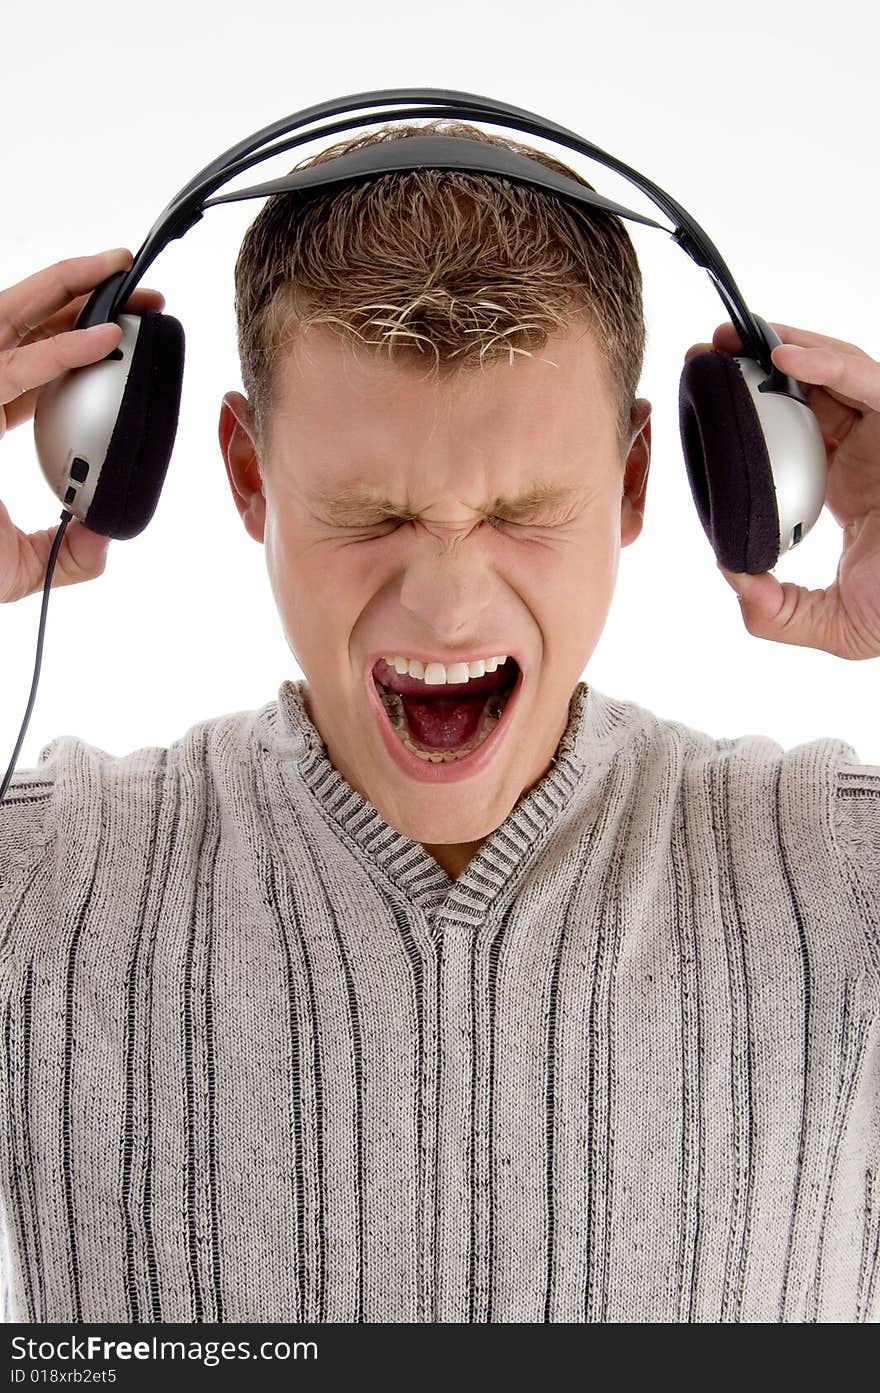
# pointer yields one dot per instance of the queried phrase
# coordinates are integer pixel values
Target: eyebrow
(349, 502)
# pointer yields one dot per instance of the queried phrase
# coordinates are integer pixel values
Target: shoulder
(818, 784)
(80, 792)
(691, 749)
(816, 797)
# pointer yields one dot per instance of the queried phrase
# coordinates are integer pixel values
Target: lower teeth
(394, 707)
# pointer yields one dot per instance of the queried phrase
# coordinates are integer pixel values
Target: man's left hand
(842, 386)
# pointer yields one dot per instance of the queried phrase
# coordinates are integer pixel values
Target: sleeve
(857, 825)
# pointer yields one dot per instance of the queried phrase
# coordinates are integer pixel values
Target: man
(444, 987)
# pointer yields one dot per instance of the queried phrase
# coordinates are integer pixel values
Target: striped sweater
(263, 1060)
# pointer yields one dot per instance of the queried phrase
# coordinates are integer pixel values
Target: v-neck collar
(597, 726)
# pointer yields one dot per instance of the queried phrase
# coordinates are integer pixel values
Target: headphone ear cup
(728, 464)
(140, 447)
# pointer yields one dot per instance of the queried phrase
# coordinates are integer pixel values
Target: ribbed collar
(598, 727)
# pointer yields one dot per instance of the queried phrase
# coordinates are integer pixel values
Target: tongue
(444, 722)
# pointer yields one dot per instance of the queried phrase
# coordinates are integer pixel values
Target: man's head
(442, 452)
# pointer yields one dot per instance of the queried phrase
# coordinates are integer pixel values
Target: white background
(762, 121)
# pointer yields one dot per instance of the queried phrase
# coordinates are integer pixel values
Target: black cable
(66, 517)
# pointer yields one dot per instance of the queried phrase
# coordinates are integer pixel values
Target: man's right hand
(38, 343)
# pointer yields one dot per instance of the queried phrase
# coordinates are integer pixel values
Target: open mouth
(448, 722)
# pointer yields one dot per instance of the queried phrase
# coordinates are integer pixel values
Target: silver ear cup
(796, 450)
(74, 421)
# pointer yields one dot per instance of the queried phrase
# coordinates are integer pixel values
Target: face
(436, 567)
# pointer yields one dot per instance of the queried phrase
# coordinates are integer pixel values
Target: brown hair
(467, 268)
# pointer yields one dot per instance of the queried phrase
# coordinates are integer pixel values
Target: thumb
(767, 609)
(87, 550)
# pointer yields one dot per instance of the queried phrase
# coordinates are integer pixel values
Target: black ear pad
(728, 466)
(143, 437)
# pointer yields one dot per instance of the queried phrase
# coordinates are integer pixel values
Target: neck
(452, 856)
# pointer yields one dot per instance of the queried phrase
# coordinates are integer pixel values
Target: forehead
(350, 420)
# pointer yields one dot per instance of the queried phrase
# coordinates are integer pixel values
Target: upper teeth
(434, 674)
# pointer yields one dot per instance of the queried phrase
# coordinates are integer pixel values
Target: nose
(447, 584)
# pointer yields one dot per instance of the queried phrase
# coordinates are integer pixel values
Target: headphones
(753, 449)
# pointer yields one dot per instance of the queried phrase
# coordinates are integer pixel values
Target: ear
(237, 436)
(635, 475)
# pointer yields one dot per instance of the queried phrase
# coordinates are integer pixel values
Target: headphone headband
(415, 153)
(433, 152)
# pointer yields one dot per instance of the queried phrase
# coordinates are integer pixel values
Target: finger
(81, 556)
(140, 300)
(144, 299)
(696, 349)
(782, 611)
(24, 306)
(806, 338)
(850, 378)
(24, 405)
(38, 363)
(15, 413)
(728, 340)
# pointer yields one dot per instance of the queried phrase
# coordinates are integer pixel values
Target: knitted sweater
(263, 1060)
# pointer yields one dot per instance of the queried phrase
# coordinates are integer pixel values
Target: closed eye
(392, 524)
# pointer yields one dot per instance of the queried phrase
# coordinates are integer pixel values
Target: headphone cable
(66, 517)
